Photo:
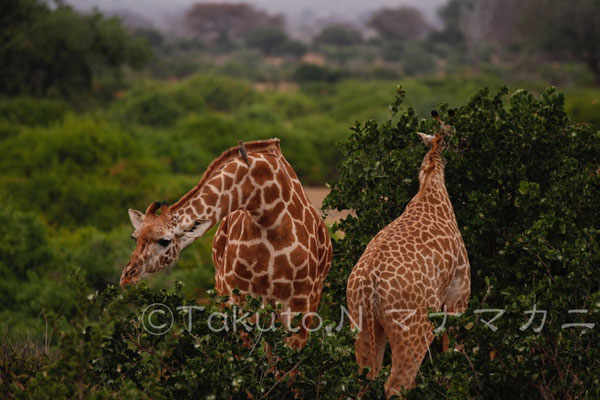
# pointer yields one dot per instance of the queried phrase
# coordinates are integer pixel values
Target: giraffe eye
(164, 242)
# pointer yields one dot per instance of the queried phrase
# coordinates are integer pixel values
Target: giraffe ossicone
(418, 261)
(272, 242)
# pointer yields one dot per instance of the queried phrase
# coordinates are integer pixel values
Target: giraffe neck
(432, 168)
(432, 187)
(233, 186)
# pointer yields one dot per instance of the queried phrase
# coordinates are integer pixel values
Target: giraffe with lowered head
(272, 242)
(418, 261)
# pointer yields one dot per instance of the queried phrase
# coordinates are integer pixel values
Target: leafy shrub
(31, 112)
(221, 93)
(82, 171)
(162, 104)
(311, 73)
(156, 104)
(525, 184)
(274, 41)
(107, 351)
(416, 59)
(291, 105)
(24, 250)
(31, 280)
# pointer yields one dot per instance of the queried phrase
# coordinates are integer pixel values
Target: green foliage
(583, 105)
(57, 52)
(160, 104)
(156, 104)
(24, 249)
(524, 183)
(108, 350)
(339, 35)
(311, 73)
(67, 181)
(402, 23)
(416, 59)
(274, 41)
(30, 112)
(61, 172)
(31, 286)
(566, 30)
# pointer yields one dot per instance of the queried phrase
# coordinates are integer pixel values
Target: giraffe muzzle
(126, 281)
(127, 277)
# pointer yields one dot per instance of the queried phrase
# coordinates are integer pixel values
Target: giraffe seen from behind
(271, 242)
(418, 261)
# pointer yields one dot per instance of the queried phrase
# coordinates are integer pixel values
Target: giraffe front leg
(218, 255)
(298, 305)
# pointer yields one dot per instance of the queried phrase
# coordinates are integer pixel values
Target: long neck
(237, 186)
(432, 168)
(432, 187)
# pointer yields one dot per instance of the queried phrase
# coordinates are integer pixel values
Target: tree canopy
(524, 183)
(400, 24)
(339, 35)
(58, 52)
(226, 23)
(274, 41)
(566, 29)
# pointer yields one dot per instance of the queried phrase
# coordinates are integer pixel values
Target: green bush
(314, 73)
(525, 185)
(416, 59)
(83, 171)
(31, 112)
(156, 104)
(24, 251)
(274, 41)
(32, 276)
(221, 93)
(107, 351)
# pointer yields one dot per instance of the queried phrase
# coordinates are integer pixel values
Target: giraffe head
(159, 239)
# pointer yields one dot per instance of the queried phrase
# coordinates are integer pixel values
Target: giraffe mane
(257, 146)
(432, 161)
(433, 152)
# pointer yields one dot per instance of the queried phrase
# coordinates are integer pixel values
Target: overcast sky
(297, 12)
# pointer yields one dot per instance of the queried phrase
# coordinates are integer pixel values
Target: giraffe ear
(427, 139)
(136, 217)
(193, 232)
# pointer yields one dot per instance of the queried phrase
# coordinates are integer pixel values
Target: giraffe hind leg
(364, 346)
(408, 351)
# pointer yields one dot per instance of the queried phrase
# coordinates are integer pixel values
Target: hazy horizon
(302, 17)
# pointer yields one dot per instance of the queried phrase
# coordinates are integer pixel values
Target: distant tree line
(472, 33)
(55, 51)
(51, 50)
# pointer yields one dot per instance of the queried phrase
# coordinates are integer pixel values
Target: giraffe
(271, 242)
(418, 261)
